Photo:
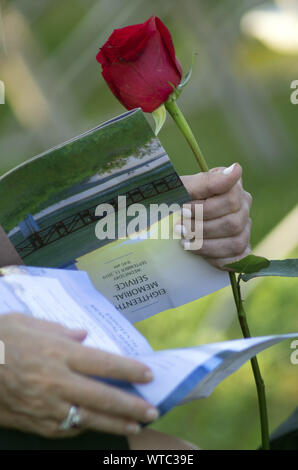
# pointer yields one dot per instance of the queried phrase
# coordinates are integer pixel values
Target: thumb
(213, 182)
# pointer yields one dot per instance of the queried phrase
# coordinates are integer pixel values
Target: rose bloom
(139, 63)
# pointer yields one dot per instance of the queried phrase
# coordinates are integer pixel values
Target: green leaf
(159, 116)
(283, 268)
(249, 264)
(185, 80)
(177, 91)
(188, 75)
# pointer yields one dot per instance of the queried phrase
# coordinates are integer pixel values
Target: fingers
(212, 183)
(48, 427)
(225, 232)
(221, 262)
(94, 362)
(59, 330)
(89, 419)
(103, 398)
(48, 327)
(225, 226)
(220, 205)
(108, 423)
(228, 225)
(228, 247)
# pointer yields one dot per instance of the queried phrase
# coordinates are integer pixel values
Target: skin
(46, 370)
(47, 367)
(226, 221)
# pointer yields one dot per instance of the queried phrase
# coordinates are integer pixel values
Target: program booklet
(71, 208)
(69, 297)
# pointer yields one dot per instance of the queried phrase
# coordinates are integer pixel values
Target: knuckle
(38, 389)
(32, 383)
(243, 218)
(249, 199)
(52, 350)
(207, 206)
(234, 224)
(237, 221)
(209, 184)
(233, 201)
(48, 385)
(43, 387)
(239, 244)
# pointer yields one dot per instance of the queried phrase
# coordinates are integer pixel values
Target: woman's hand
(46, 371)
(226, 207)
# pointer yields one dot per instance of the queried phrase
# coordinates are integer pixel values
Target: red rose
(138, 62)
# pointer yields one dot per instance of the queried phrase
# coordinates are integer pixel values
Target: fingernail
(148, 375)
(133, 428)
(229, 170)
(152, 414)
(186, 212)
(180, 230)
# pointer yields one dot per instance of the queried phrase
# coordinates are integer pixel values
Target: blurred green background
(238, 102)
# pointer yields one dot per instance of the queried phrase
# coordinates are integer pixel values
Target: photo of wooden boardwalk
(86, 217)
(56, 224)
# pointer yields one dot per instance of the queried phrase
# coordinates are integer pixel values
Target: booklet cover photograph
(47, 204)
(48, 208)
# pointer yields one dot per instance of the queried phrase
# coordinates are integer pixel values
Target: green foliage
(99, 152)
(283, 268)
(249, 264)
(187, 77)
(228, 419)
(159, 116)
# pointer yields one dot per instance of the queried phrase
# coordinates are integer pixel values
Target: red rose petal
(139, 62)
(167, 38)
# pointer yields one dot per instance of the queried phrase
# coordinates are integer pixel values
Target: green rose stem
(254, 364)
(184, 127)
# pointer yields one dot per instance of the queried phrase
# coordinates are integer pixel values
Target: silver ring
(72, 420)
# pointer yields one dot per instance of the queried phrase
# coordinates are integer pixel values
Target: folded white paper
(70, 298)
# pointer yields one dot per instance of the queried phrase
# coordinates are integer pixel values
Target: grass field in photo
(49, 177)
(119, 158)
